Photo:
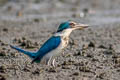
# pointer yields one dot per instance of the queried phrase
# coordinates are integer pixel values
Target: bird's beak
(80, 26)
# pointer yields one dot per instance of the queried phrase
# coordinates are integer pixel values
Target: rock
(19, 13)
(36, 20)
(2, 69)
(89, 55)
(85, 10)
(26, 43)
(65, 67)
(109, 52)
(91, 44)
(52, 70)
(9, 8)
(76, 74)
(2, 77)
(111, 47)
(2, 53)
(36, 72)
(84, 69)
(26, 69)
(102, 46)
(5, 29)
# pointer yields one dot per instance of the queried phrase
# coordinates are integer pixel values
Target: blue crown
(63, 26)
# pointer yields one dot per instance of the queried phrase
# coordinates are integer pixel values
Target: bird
(54, 45)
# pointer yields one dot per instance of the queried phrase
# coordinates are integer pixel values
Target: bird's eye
(72, 24)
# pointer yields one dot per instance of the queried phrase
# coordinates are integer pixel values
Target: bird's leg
(53, 62)
(48, 61)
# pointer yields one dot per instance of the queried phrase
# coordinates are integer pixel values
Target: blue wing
(48, 46)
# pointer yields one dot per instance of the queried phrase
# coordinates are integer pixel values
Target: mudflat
(92, 54)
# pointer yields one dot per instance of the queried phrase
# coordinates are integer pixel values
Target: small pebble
(52, 70)
(91, 44)
(2, 77)
(102, 46)
(36, 20)
(76, 74)
(26, 69)
(36, 72)
(2, 69)
(2, 53)
(5, 29)
(65, 67)
(19, 13)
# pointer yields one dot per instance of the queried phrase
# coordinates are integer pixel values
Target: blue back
(63, 26)
(48, 46)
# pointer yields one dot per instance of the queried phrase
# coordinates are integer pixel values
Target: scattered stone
(26, 69)
(52, 70)
(93, 59)
(85, 10)
(102, 46)
(2, 69)
(19, 13)
(79, 64)
(36, 72)
(62, 1)
(84, 69)
(36, 20)
(37, 1)
(36, 44)
(111, 47)
(20, 40)
(23, 43)
(76, 74)
(3, 53)
(89, 55)
(85, 46)
(72, 42)
(13, 54)
(5, 29)
(64, 63)
(73, 9)
(65, 67)
(81, 14)
(2, 77)
(109, 52)
(70, 62)
(2, 44)
(26, 43)
(23, 38)
(91, 44)
(9, 8)
(101, 75)
(116, 60)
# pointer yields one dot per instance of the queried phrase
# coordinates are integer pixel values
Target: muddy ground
(92, 54)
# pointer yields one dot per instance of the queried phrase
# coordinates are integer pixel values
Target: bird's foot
(53, 63)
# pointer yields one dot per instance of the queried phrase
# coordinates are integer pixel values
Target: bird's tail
(30, 54)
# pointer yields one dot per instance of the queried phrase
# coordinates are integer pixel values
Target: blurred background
(43, 10)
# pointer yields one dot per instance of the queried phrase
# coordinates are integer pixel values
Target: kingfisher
(54, 45)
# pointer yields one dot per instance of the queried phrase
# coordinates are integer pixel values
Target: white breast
(65, 41)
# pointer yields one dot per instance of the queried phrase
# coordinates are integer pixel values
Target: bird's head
(69, 26)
